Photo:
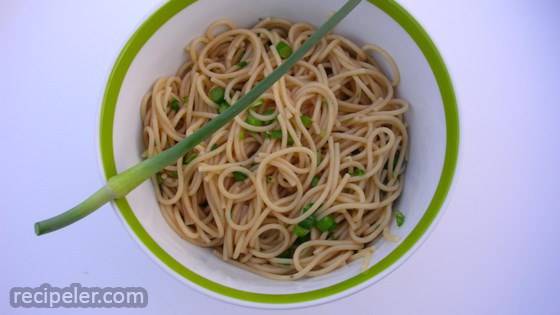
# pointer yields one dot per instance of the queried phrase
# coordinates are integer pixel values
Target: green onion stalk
(121, 184)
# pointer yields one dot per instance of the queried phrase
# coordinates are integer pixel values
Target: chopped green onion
(189, 158)
(306, 121)
(239, 176)
(284, 50)
(269, 111)
(358, 172)
(241, 135)
(301, 240)
(290, 140)
(273, 134)
(253, 121)
(185, 100)
(315, 181)
(175, 105)
(223, 106)
(159, 178)
(307, 207)
(174, 174)
(400, 218)
(257, 103)
(309, 222)
(242, 64)
(326, 224)
(214, 147)
(319, 157)
(300, 231)
(289, 253)
(217, 94)
(269, 179)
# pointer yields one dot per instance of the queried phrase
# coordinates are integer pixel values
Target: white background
(496, 249)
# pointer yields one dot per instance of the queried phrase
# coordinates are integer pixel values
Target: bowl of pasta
(320, 188)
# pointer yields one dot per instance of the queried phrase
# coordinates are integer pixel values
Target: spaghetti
(301, 183)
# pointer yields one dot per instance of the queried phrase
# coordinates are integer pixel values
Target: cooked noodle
(242, 191)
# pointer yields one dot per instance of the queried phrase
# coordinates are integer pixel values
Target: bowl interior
(163, 53)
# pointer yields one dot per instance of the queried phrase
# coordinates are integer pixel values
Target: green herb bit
(269, 111)
(239, 176)
(269, 179)
(307, 207)
(303, 239)
(175, 105)
(189, 158)
(400, 218)
(284, 50)
(319, 158)
(223, 106)
(174, 174)
(358, 172)
(253, 121)
(241, 135)
(257, 103)
(242, 64)
(309, 222)
(306, 121)
(185, 100)
(315, 181)
(273, 134)
(214, 147)
(290, 140)
(217, 94)
(326, 224)
(300, 231)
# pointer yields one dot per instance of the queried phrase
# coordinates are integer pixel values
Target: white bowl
(156, 49)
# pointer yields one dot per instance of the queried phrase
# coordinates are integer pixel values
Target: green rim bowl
(156, 49)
